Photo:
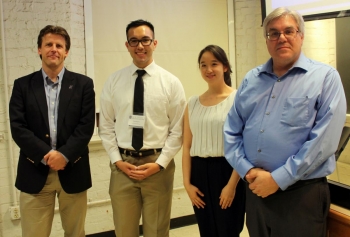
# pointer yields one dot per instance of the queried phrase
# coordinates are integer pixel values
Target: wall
(343, 54)
(22, 21)
(179, 38)
(250, 44)
(319, 41)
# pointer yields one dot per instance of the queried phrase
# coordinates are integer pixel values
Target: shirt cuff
(115, 156)
(163, 160)
(282, 178)
(65, 157)
(243, 169)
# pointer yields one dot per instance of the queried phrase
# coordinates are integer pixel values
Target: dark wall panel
(342, 29)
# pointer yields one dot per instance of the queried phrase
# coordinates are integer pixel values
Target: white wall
(319, 41)
(22, 21)
(182, 29)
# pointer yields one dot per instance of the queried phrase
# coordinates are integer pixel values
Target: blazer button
(47, 135)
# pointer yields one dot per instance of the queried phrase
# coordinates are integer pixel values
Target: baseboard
(174, 223)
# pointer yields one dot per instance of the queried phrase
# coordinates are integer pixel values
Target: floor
(192, 231)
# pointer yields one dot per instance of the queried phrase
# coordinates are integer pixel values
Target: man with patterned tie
(141, 129)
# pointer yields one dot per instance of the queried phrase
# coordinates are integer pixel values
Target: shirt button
(273, 97)
(267, 113)
(278, 80)
(262, 130)
(259, 150)
(47, 135)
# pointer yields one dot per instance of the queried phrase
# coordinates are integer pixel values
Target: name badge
(136, 121)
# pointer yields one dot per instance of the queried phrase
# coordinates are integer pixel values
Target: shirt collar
(60, 76)
(149, 69)
(302, 63)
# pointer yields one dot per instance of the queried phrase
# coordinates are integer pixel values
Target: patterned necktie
(137, 133)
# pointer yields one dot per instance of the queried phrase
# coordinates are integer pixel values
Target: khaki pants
(150, 198)
(37, 210)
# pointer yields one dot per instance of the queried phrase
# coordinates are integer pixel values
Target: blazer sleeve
(34, 143)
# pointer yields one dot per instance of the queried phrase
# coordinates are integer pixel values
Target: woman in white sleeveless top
(215, 189)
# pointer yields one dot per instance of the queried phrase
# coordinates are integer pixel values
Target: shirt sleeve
(233, 139)
(106, 127)
(323, 138)
(177, 105)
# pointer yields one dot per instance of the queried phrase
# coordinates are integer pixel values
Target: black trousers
(211, 175)
(299, 211)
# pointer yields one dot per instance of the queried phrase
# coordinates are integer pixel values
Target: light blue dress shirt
(288, 125)
(52, 91)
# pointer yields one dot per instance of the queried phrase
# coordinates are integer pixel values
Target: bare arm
(193, 192)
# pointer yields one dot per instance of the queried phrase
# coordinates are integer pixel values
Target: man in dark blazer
(52, 115)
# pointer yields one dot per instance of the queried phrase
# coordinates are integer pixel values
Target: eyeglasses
(289, 33)
(144, 42)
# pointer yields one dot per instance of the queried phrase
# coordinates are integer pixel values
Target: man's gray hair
(283, 11)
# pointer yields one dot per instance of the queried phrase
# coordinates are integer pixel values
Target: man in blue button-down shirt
(282, 132)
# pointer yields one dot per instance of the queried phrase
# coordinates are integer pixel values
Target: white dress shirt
(164, 104)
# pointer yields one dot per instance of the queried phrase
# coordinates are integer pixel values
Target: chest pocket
(295, 111)
(157, 106)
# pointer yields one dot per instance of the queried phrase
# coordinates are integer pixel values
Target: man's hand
(250, 176)
(143, 171)
(55, 160)
(261, 182)
(125, 167)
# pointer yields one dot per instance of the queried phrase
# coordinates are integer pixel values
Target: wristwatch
(160, 167)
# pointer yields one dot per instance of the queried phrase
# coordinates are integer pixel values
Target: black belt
(141, 153)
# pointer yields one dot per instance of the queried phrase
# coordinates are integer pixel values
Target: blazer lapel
(67, 89)
(40, 95)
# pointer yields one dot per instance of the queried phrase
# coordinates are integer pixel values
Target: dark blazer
(30, 130)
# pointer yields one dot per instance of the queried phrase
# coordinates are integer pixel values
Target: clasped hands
(261, 182)
(55, 160)
(138, 172)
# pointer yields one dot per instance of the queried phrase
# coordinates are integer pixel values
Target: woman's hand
(227, 196)
(195, 196)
